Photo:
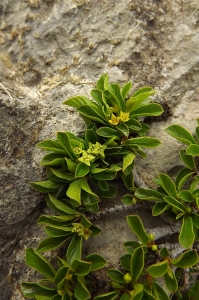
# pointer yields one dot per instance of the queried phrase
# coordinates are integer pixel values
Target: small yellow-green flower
(78, 228)
(124, 117)
(114, 120)
(97, 149)
(77, 150)
(86, 158)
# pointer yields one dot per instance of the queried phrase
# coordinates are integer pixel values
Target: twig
(6, 90)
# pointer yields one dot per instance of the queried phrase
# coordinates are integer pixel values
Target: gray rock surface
(53, 49)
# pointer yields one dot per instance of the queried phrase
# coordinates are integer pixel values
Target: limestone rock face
(53, 49)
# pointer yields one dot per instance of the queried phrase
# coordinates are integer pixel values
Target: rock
(51, 50)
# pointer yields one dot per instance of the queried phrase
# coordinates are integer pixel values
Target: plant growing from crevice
(82, 170)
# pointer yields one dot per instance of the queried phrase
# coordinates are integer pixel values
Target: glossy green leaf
(74, 250)
(182, 177)
(160, 292)
(55, 220)
(39, 263)
(74, 191)
(50, 145)
(186, 237)
(148, 296)
(159, 208)
(53, 159)
(116, 275)
(144, 142)
(152, 109)
(108, 194)
(61, 274)
(137, 227)
(80, 290)
(186, 195)
(164, 253)
(46, 186)
(195, 219)
(137, 263)
(138, 291)
(81, 170)
(114, 89)
(103, 174)
(125, 261)
(125, 90)
(94, 113)
(130, 246)
(149, 194)
(158, 269)
(123, 129)
(31, 289)
(81, 267)
(107, 132)
(58, 231)
(127, 160)
(50, 243)
(103, 185)
(170, 281)
(168, 184)
(96, 94)
(127, 199)
(64, 139)
(55, 175)
(97, 261)
(102, 83)
(77, 101)
(126, 297)
(107, 296)
(181, 134)
(175, 203)
(95, 230)
(61, 206)
(186, 259)
(193, 150)
(187, 159)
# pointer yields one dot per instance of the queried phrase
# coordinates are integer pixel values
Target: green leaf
(127, 199)
(168, 185)
(138, 291)
(125, 90)
(130, 246)
(181, 134)
(74, 250)
(39, 263)
(170, 281)
(160, 292)
(107, 132)
(85, 187)
(81, 267)
(137, 263)
(58, 231)
(64, 139)
(126, 297)
(195, 219)
(82, 170)
(144, 142)
(158, 269)
(116, 275)
(107, 296)
(103, 174)
(80, 291)
(186, 237)
(125, 261)
(72, 165)
(51, 243)
(102, 83)
(61, 206)
(55, 220)
(149, 194)
(95, 230)
(175, 203)
(187, 159)
(144, 90)
(97, 261)
(94, 113)
(57, 175)
(31, 289)
(186, 195)
(148, 296)
(164, 253)
(108, 194)
(90, 136)
(50, 145)
(103, 185)
(193, 150)
(127, 160)
(97, 96)
(123, 129)
(77, 101)
(137, 227)
(152, 109)
(46, 186)
(186, 259)
(160, 208)
(53, 159)
(114, 89)
(74, 191)
(182, 176)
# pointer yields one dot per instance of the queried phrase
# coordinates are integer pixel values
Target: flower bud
(127, 278)
(154, 248)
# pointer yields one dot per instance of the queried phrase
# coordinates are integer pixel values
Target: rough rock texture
(50, 50)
